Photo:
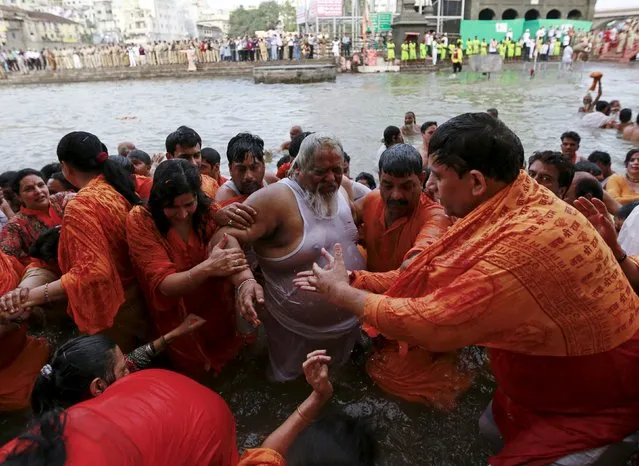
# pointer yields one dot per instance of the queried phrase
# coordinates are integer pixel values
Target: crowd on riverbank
(544, 44)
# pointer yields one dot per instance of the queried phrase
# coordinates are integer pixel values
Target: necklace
(632, 180)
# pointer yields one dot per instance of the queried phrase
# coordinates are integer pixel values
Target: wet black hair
(601, 157)
(370, 179)
(244, 143)
(283, 160)
(211, 156)
(588, 167)
(625, 210)
(137, 154)
(625, 115)
(571, 135)
(629, 155)
(296, 143)
(184, 136)
(590, 188)
(6, 178)
(427, 125)
(401, 160)
(389, 133)
(477, 141)
(338, 441)
(46, 246)
(564, 166)
(49, 169)
(123, 162)
(74, 365)
(43, 444)
(59, 176)
(83, 152)
(173, 178)
(20, 175)
(601, 106)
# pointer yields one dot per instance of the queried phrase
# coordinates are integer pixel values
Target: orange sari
(22, 356)
(93, 256)
(156, 257)
(261, 457)
(527, 276)
(209, 186)
(143, 185)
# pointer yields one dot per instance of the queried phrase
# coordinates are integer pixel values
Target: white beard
(322, 205)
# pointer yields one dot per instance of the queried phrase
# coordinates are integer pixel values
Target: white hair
(305, 159)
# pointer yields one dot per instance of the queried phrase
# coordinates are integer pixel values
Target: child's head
(141, 162)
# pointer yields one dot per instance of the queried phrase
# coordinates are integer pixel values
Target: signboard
(501, 27)
(381, 22)
(326, 8)
(300, 13)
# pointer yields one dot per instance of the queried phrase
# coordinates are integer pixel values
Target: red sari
(93, 256)
(156, 257)
(22, 231)
(22, 356)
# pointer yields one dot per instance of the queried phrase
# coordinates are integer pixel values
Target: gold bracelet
(46, 293)
(304, 418)
(239, 287)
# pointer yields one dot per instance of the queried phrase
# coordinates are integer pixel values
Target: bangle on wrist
(304, 418)
(239, 287)
(46, 293)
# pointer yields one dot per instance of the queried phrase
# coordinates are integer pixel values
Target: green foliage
(266, 16)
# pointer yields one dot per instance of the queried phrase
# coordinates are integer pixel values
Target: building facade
(530, 9)
(23, 30)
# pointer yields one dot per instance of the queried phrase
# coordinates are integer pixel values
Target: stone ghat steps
(124, 73)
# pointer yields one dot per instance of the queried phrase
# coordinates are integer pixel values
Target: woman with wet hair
(39, 211)
(98, 278)
(169, 246)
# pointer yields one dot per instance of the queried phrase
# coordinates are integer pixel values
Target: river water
(357, 109)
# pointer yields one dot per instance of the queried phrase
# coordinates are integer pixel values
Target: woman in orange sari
(38, 213)
(168, 242)
(97, 276)
(22, 356)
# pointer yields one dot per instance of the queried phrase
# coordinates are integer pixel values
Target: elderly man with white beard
(298, 220)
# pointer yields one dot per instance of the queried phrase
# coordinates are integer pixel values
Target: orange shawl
(22, 356)
(386, 247)
(143, 185)
(94, 256)
(209, 186)
(155, 257)
(523, 274)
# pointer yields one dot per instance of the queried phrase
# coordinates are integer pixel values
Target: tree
(266, 16)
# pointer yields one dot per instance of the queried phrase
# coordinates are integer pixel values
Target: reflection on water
(357, 109)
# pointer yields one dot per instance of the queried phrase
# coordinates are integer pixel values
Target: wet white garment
(629, 234)
(297, 321)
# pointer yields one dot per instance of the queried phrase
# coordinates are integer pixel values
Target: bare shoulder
(274, 197)
(224, 193)
(270, 178)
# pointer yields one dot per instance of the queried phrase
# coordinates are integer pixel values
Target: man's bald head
(295, 131)
(125, 147)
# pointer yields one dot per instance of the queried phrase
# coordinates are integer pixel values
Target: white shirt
(595, 120)
(544, 49)
(567, 57)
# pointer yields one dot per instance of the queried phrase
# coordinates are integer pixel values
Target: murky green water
(357, 109)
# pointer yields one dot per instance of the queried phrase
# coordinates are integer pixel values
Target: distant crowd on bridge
(543, 44)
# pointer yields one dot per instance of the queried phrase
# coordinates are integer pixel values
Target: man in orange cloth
(22, 356)
(245, 154)
(185, 143)
(399, 219)
(528, 277)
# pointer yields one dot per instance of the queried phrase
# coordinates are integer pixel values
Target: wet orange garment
(155, 257)
(527, 276)
(387, 246)
(261, 457)
(143, 185)
(93, 255)
(22, 356)
(209, 186)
